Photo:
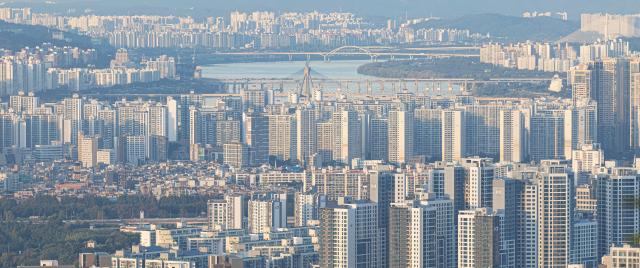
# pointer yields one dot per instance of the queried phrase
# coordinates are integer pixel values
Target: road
(136, 221)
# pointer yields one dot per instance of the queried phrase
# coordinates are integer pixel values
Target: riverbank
(466, 68)
(445, 68)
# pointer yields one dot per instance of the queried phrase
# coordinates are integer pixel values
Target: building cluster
(121, 72)
(259, 30)
(40, 69)
(548, 57)
(444, 214)
(611, 25)
(257, 127)
(438, 35)
(243, 131)
(548, 14)
(27, 69)
(390, 181)
(313, 179)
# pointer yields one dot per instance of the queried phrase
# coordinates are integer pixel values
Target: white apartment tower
(226, 214)
(347, 136)
(87, 151)
(478, 238)
(513, 142)
(400, 136)
(479, 174)
(305, 134)
(172, 119)
(452, 135)
(307, 207)
(421, 234)
(266, 215)
(555, 208)
(349, 234)
(282, 136)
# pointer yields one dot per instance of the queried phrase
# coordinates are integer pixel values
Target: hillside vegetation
(508, 28)
(444, 68)
(16, 36)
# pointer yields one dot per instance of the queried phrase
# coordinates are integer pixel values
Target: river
(325, 71)
(339, 69)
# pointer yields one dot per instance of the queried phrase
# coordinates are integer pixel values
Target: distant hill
(16, 36)
(387, 8)
(581, 37)
(508, 28)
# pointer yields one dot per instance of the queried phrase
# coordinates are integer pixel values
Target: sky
(384, 8)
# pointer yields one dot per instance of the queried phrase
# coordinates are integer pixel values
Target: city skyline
(263, 136)
(399, 8)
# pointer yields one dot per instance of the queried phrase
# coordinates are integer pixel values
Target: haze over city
(320, 134)
(385, 8)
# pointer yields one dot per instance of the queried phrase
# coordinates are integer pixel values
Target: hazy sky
(389, 8)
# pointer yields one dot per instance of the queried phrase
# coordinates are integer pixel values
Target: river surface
(344, 72)
(339, 69)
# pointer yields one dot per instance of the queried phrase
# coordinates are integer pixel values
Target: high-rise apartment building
(584, 243)
(479, 175)
(428, 133)
(547, 137)
(325, 144)
(507, 204)
(555, 208)
(513, 136)
(453, 135)
(400, 138)
(227, 213)
(585, 160)
(421, 233)
(349, 234)
(581, 126)
(347, 136)
(267, 214)
(256, 136)
(305, 134)
(236, 154)
(580, 81)
(307, 208)
(528, 230)
(378, 139)
(87, 151)
(618, 214)
(478, 238)
(227, 131)
(622, 257)
(611, 81)
(282, 136)
(22, 103)
(482, 129)
(172, 119)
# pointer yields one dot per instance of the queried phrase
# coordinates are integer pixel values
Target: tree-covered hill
(508, 28)
(16, 36)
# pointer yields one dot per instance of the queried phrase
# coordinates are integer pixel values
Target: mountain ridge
(508, 28)
(388, 8)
